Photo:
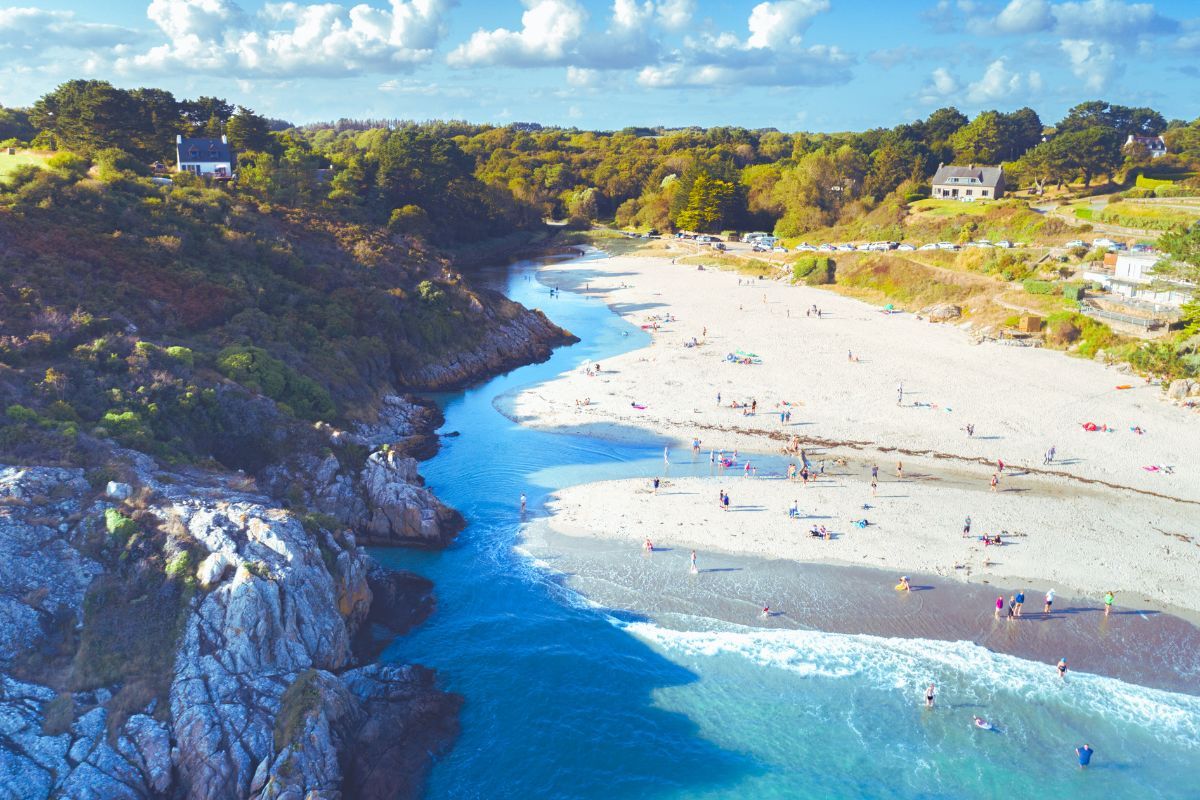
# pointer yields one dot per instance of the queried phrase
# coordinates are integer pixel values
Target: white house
(209, 157)
(1154, 144)
(1133, 277)
(968, 183)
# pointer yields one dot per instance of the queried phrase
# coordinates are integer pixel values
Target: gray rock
(1179, 389)
(118, 491)
(944, 312)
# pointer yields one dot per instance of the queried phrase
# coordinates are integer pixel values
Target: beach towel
(1125, 386)
(638, 406)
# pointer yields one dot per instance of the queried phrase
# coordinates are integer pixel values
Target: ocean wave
(909, 664)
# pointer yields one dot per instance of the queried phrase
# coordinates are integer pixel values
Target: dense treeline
(453, 181)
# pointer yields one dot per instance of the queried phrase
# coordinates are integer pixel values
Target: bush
(118, 525)
(1038, 287)
(19, 413)
(814, 270)
(184, 355)
(258, 371)
(69, 164)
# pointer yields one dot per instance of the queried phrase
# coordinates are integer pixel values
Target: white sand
(1080, 534)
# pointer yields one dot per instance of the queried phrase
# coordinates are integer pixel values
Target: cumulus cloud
(771, 54)
(997, 84)
(1093, 62)
(549, 31)
(1091, 19)
(289, 39)
(31, 32)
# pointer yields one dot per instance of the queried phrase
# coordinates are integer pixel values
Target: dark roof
(202, 150)
(988, 176)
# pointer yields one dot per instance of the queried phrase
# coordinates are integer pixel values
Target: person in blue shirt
(1085, 755)
(1020, 598)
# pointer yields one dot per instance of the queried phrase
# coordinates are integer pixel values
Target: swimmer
(694, 569)
(905, 585)
(929, 693)
(982, 724)
(648, 546)
(1085, 755)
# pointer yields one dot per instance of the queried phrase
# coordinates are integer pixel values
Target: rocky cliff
(263, 697)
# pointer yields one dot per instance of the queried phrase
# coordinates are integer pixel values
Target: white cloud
(1090, 19)
(31, 32)
(289, 38)
(1024, 16)
(549, 29)
(997, 83)
(582, 77)
(676, 14)
(1095, 63)
(780, 23)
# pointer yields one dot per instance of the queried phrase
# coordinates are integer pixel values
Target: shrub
(1038, 287)
(299, 701)
(814, 270)
(258, 371)
(69, 164)
(19, 413)
(118, 525)
(184, 355)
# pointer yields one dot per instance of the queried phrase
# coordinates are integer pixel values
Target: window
(969, 191)
(984, 192)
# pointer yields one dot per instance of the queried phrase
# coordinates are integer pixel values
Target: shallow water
(566, 698)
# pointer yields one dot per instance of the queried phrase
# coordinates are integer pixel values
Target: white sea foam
(908, 664)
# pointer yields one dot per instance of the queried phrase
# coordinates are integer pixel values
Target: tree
(709, 203)
(88, 116)
(1049, 162)
(1092, 151)
(1183, 247)
(15, 124)
(981, 141)
(1021, 130)
(249, 131)
(943, 123)
(203, 112)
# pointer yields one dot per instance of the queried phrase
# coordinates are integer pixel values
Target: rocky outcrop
(514, 336)
(944, 312)
(263, 699)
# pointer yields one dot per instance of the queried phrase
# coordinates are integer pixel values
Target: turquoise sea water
(567, 699)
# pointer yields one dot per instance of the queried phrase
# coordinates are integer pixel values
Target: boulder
(1179, 389)
(944, 312)
(118, 491)
(213, 569)
(400, 509)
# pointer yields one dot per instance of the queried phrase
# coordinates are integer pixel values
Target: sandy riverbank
(1095, 520)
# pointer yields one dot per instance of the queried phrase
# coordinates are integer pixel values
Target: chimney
(179, 138)
(223, 139)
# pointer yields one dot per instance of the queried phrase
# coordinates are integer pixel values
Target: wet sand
(1137, 645)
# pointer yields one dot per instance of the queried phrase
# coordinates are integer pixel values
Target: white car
(1005, 243)
(845, 248)
(905, 247)
(826, 248)
(1076, 243)
(863, 247)
(1105, 243)
(804, 248)
(930, 246)
(947, 246)
(778, 249)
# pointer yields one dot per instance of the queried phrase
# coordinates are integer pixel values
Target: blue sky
(790, 64)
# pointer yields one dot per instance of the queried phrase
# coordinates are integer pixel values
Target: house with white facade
(207, 157)
(1132, 277)
(968, 183)
(1154, 144)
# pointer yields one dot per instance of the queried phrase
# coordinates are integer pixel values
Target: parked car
(1005, 243)
(718, 246)
(930, 246)
(947, 246)
(1076, 243)
(805, 248)
(905, 247)
(845, 248)
(1103, 242)
(826, 248)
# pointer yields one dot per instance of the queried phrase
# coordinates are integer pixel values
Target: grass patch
(950, 208)
(22, 158)
(1084, 212)
(1149, 215)
(299, 702)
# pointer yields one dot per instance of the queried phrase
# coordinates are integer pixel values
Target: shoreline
(854, 599)
(1100, 524)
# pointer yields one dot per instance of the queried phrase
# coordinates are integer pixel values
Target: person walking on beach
(874, 472)
(900, 470)
(1049, 459)
(656, 482)
(648, 546)
(721, 498)
(999, 605)
(1109, 597)
(725, 502)
(874, 488)
(794, 511)
(1049, 602)
(999, 465)
(718, 398)
(694, 569)
(929, 694)
(1084, 754)
(967, 527)
(1062, 669)
(1020, 601)
(1012, 605)
(995, 481)
(900, 394)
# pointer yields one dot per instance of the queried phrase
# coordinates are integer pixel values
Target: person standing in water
(522, 502)
(929, 694)
(1109, 597)
(694, 569)
(1062, 669)
(1084, 754)
(1020, 601)
(999, 605)
(1049, 602)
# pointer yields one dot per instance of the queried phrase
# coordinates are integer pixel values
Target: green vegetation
(1151, 216)
(22, 158)
(299, 702)
(813, 270)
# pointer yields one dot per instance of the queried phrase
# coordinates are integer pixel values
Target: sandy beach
(1095, 519)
